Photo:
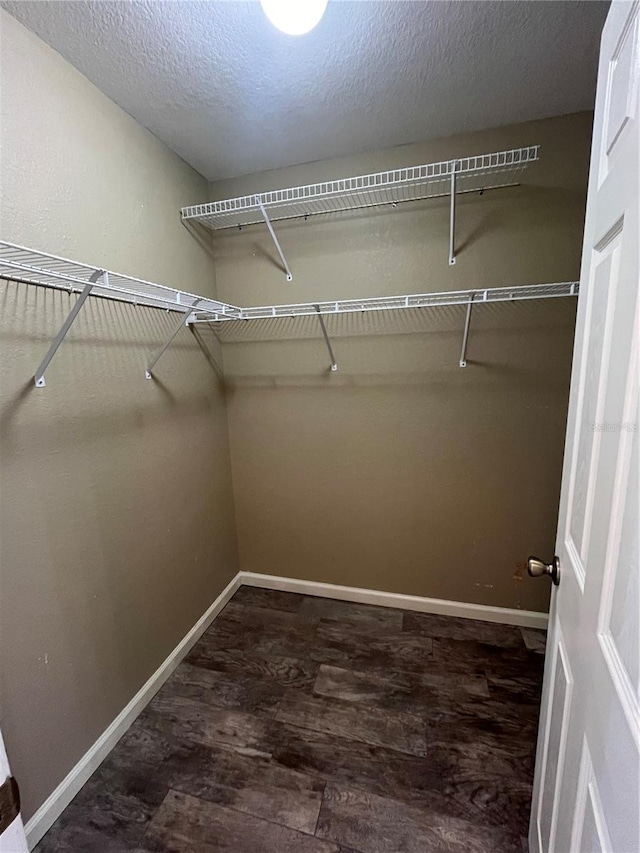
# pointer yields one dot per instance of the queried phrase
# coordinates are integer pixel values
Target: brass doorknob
(537, 568)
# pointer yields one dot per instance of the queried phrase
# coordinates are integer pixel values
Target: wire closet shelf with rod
(32, 267)
(476, 173)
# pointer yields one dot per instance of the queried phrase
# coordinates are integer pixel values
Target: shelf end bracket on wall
(465, 334)
(325, 334)
(274, 237)
(46, 361)
(184, 319)
(452, 215)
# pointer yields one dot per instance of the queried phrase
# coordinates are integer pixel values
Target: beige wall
(117, 527)
(403, 472)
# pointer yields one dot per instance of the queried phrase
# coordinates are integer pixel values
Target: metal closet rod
(32, 267)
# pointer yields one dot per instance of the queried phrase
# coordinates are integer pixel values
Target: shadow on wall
(391, 235)
(522, 345)
(492, 316)
(97, 375)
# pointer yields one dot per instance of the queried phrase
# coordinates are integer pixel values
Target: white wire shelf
(22, 264)
(476, 173)
(394, 303)
(27, 265)
(19, 263)
(468, 298)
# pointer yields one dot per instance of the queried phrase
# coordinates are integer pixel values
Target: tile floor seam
(315, 829)
(243, 813)
(400, 752)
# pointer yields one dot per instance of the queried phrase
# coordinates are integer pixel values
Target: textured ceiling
(232, 95)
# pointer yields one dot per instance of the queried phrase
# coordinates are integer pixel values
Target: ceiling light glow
(294, 17)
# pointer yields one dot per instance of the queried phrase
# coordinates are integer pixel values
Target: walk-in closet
(318, 426)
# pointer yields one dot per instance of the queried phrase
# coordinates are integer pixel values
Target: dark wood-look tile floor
(305, 725)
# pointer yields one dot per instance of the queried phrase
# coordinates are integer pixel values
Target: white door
(586, 791)
(12, 840)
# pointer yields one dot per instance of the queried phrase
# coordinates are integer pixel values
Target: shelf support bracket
(334, 365)
(452, 216)
(274, 237)
(184, 320)
(46, 361)
(465, 335)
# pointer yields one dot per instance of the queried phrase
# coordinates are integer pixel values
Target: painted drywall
(117, 527)
(403, 472)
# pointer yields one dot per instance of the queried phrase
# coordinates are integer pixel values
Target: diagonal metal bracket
(184, 318)
(274, 237)
(452, 215)
(46, 361)
(334, 365)
(465, 335)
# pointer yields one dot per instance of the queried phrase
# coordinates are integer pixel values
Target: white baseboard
(505, 615)
(55, 804)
